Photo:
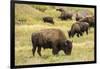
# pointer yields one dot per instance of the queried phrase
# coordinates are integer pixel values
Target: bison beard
(53, 39)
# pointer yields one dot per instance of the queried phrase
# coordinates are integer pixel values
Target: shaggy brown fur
(90, 20)
(48, 20)
(53, 39)
(78, 28)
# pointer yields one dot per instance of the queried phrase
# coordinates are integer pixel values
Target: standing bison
(78, 28)
(64, 15)
(89, 19)
(78, 17)
(48, 19)
(53, 39)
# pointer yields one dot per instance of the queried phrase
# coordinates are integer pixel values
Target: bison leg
(72, 35)
(77, 34)
(55, 50)
(81, 34)
(39, 51)
(33, 50)
(87, 32)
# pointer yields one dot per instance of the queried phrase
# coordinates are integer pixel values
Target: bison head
(68, 47)
(71, 33)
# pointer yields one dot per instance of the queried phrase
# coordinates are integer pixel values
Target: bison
(78, 17)
(89, 19)
(78, 28)
(64, 15)
(48, 19)
(60, 9)
(53, 39)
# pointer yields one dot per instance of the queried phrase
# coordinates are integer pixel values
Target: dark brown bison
(48, 19)
(64, 15)
(78, 17)
(53, 39)
(78, 28)
(89, 19)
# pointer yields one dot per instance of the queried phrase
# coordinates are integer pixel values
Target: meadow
(28, 19)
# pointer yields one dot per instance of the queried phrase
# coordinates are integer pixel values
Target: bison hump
(53, 34)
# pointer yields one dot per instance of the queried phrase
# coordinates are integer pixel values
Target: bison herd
(55, 39)
(78, 28)
(65, 16)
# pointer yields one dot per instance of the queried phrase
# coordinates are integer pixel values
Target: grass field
(83, 47)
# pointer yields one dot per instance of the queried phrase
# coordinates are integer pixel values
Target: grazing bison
(48, 19)
(64, 15)
(78, 17)
(53, 39)
(90, 20)
(78, 28)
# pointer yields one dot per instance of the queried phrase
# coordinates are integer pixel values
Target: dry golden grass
(83, 47)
